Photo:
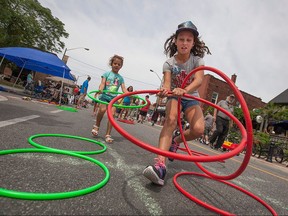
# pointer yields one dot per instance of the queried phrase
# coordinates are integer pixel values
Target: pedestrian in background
(209, 120)
(222, 122)
(144, 110)
(29, 82)
(83, 92)
(126, 102)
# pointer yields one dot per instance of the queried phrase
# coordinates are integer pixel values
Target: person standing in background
(209, 120)
(144, 110)
(83, 92)
(222, 122)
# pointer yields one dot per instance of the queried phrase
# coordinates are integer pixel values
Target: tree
(272, 112)
(26, 23)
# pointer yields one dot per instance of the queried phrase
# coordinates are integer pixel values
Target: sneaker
(156, 173)
(173, 148)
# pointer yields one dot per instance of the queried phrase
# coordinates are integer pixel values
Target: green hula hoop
(37, 145)
(59, 195)
(66, 108)
(116, 105)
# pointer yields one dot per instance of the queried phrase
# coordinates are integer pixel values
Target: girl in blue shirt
(126, 101)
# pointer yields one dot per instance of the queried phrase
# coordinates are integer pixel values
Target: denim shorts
(186, 103)
(105, 99)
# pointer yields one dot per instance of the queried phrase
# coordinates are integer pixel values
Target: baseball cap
(232, 95)
(188, 25)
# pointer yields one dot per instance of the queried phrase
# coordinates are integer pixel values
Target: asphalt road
(127, 192)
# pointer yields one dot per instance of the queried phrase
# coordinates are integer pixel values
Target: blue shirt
(126, 100)
(84, 87)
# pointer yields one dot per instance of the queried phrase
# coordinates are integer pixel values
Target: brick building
(214, 90)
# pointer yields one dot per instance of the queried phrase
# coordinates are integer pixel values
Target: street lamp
(87, 49)
(157, 75)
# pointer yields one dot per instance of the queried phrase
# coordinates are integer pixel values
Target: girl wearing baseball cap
(186, 52)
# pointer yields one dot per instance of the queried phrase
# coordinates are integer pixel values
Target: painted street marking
(2, 98)
(17, 120)
(56, 111)
(18, 98)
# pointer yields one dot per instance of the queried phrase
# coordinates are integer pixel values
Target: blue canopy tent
(37, 60)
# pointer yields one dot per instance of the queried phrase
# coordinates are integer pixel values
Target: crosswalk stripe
(2, 98)
(17, 120)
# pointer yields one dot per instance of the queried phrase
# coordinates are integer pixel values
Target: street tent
(65, 81)
(36, 60)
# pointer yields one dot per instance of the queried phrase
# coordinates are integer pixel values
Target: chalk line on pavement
(153, 207)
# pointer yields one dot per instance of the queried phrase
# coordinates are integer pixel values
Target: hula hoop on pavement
(59, 195)
(213, 208)
(126, 121)
(66, 108)
(37, 145)
(114, 104)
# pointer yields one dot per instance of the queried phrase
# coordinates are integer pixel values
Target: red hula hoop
(213, 208)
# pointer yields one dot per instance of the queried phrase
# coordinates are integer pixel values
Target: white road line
(2, 98)
(56, 111)
(17, 120)
(18, 98)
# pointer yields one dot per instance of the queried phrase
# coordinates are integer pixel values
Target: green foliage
(261, 137)
(210, 109)
(234, 136)
(26, 23)
(275, 112)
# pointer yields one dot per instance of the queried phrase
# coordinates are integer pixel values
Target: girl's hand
(163, 92)
(179, 91)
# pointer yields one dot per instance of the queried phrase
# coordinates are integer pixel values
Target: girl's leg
(109, 128)
(100, 114)
(157, 172)
(120, 114)
(169, 126)
(101, 111)
(195, 118)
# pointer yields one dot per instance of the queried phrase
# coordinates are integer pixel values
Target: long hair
(199, 48)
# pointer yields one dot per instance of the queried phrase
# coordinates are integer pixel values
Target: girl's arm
(194, 85)
(124, 90)
(102, 85)
(166, 84)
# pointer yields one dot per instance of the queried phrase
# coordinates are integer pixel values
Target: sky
(246, 38)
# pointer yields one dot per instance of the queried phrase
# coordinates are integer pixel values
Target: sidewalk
(13, 90)
(21, 92)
